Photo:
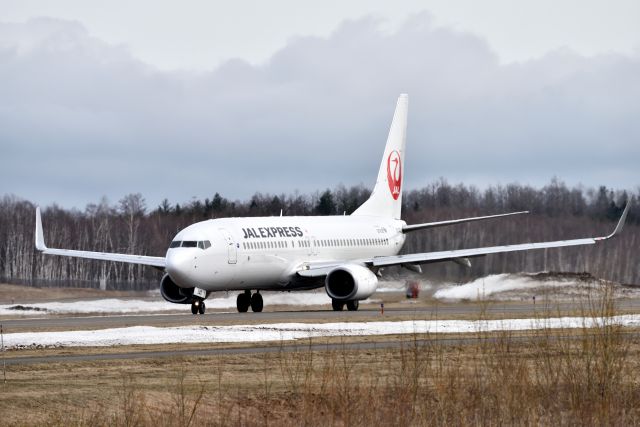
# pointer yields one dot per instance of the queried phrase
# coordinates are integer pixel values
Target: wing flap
(423, 258)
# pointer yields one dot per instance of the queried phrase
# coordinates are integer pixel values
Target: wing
(415, 227)
(158, 262)
(459, 255)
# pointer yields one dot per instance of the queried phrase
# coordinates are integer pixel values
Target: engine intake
(174, 293)
(350, 282)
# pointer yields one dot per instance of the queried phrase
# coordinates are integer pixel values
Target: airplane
(344, 254)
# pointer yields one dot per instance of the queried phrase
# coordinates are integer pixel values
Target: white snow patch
(524, 286)
(292, 331)
(109, 305)
(485, 286)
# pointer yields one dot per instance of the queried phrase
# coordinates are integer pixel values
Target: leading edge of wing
(152, 261)
(465, 253)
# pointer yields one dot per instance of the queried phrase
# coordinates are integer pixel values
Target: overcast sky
(183, 99)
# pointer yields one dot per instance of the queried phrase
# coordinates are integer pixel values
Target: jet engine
(350, 282)
(174, 293)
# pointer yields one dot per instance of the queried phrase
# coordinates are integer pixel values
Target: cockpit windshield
(202, 244)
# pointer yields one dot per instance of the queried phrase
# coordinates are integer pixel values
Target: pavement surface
(423, 312)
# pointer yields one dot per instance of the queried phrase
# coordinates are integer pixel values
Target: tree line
(130, 226)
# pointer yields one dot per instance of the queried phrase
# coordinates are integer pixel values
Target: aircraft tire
(202, 307)
(353, 305)
(194, 308)
(256, 303)
(337, 305)
(242, 302)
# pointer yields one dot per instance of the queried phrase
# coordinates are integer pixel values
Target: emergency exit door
(232, 250)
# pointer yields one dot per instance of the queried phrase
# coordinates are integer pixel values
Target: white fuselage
(266, 252)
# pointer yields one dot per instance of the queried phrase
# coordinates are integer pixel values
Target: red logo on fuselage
(394, 174)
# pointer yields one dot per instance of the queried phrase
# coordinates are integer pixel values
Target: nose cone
(179, 266)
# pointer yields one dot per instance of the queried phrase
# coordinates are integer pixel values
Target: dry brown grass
(591, 379)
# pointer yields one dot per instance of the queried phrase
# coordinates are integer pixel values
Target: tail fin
(386, 198)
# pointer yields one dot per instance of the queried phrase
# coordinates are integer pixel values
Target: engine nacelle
(174, 293)
(350, 282)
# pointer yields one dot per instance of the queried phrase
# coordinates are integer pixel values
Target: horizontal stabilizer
(415, 227)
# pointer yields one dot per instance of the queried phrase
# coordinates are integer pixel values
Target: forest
(558, 212)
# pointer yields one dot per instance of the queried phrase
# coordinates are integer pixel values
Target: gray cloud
(80, 118)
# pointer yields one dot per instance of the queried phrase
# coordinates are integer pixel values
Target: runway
(429, 311)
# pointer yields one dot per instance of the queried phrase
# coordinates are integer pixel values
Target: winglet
(620, 225)
(39, 234)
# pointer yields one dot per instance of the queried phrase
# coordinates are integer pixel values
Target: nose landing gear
(198, 306)
(246, 300)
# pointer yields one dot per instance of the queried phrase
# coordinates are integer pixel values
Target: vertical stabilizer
(386, 198)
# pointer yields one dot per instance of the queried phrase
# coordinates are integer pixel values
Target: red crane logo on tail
(394, 174)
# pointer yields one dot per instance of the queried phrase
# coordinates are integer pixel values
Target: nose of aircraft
(179, 266)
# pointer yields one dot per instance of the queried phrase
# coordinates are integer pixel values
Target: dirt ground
(18, 294)
(255, 389)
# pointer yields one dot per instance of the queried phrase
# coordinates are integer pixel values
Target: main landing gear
(339, 305)
(198, 306)
(246, 300)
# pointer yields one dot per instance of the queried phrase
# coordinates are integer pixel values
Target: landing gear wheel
(256, 303)
(353, 305)
(201, 308)
(194, 308)
(243, 302)
(337, 305)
